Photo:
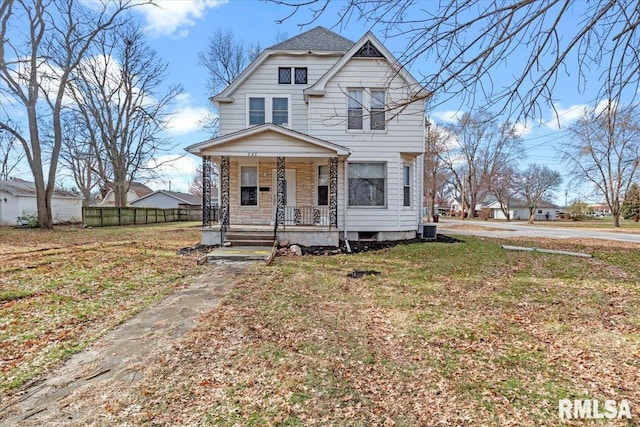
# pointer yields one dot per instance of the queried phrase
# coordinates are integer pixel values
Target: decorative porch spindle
(280, 199)
(206, 191)
(224, 189)
(333, 192)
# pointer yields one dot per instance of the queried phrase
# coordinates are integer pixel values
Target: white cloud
(565, 116)
(173, 17)
(186, 118)
(448, 116)
(174, 171)
(523, 129)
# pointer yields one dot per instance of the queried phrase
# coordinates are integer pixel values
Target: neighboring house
(519, 210)
(455, 207)
(600, 209)
(18, 198)
(136, 190)
(167, 200)
(321, 139)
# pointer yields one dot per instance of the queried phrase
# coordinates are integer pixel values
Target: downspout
(344, 205)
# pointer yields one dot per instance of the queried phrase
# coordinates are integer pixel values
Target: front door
(289, 194)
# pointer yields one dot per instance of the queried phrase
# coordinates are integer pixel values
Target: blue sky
(180, 29)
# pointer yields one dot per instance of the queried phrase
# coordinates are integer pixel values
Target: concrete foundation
(310, 238)
(211, 236)
(382, 236)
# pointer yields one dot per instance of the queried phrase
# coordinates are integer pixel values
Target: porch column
(280, 196)
(333, 192)
(224, 190)
(206, 191)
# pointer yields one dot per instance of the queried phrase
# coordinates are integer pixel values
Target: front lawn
(445, 334)
(61, 289)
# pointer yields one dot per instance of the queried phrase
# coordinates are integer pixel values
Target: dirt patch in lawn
(118, 360)
(445, 335)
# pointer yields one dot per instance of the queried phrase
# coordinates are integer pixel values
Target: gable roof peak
(318, 38)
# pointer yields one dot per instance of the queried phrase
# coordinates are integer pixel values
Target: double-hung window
(249, 186)
(378, 107)
(256, 111)
(280, 111)
(367, 182)
(267, 108)
(406, 185)
(355, 109)
(374, 101)
(323, 185)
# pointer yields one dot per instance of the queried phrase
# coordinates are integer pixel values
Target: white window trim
(268, 108)
(366, 111)
(315, 196)
(403, 186)
(249, 165)
(386, 185)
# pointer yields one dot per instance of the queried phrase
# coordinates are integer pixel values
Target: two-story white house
(321, 140)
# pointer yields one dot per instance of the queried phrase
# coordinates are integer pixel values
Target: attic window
(284, 76)
(297, 74)
(368, 50)
(301, 76)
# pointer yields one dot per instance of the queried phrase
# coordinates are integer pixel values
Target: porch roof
(268, 140)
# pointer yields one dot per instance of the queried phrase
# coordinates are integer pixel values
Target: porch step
(250, 238)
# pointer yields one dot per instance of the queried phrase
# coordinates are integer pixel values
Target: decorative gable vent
(368, 50)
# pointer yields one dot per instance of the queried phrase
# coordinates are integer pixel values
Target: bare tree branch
(464, 44)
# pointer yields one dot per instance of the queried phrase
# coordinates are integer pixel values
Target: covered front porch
(272, 181)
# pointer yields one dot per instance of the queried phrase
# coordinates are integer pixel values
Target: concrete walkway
(120, 357)
(241, 253)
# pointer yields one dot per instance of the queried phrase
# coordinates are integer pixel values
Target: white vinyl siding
(326, 117)
(404, 124)
(268, 109)
(264, 82)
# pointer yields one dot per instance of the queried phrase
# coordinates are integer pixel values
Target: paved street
(522, 229)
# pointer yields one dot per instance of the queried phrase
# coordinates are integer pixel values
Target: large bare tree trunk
(57, 37)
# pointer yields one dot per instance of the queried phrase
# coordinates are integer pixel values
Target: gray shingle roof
(187, 197)
(318, 38)
(20, 187)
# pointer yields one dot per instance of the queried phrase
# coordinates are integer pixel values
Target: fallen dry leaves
(61, 289)
(446, 335)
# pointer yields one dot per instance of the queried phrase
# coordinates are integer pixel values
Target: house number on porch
(252, 154)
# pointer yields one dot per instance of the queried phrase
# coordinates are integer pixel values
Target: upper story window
(301, 76)
(354, 109)
(374, 101)
(269, 108)
(280, 111)
(378, 107)
(256, 111)
(297, 75)
(284, 76)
